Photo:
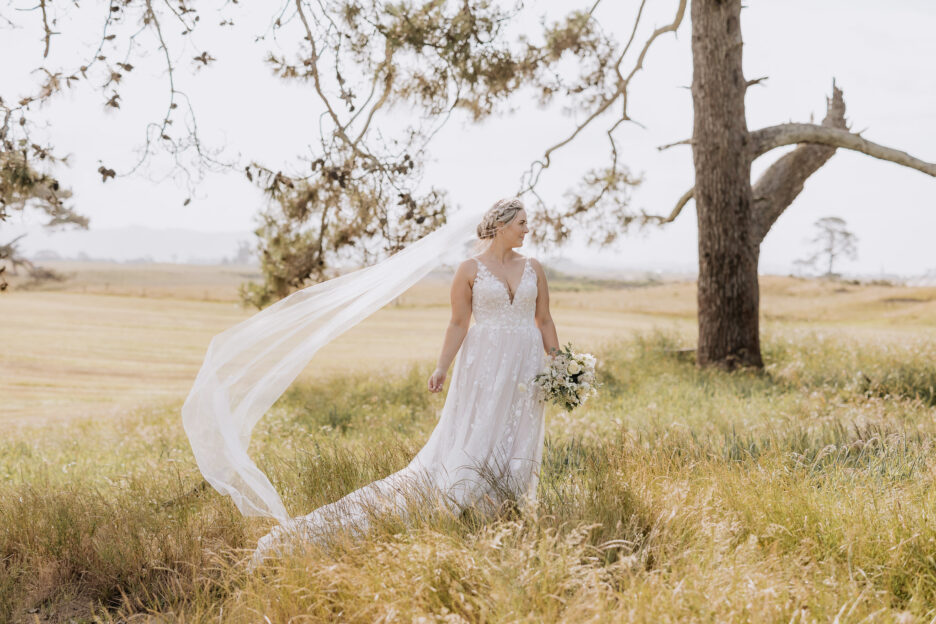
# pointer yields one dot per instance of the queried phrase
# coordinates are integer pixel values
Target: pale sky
(883, 55)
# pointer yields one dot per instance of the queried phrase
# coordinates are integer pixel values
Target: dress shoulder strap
(479, 270)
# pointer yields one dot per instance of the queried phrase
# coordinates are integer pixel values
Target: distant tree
(27, 177)
(243, 255)
(25, 189)
(47, 254)
(832, 241)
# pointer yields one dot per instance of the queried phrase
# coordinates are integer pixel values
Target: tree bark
(728, 297)
(783, 181)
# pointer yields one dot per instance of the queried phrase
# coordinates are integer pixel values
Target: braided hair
(501, 213)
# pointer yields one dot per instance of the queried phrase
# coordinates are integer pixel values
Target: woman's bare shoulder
(467, 269)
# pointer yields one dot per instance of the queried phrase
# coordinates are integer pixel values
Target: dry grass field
(116, 336)
(803, 493)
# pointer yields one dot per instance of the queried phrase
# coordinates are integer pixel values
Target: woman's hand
(436, 380)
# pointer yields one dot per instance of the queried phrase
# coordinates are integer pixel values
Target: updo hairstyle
(500, 214)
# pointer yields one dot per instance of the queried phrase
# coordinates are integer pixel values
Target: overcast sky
(883, 55)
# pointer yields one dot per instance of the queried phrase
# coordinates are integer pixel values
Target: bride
(488, 443)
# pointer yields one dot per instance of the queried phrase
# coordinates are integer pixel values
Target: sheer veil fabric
(485, 450)
(248, 366)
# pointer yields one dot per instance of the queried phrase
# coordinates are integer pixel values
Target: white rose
(574, 367)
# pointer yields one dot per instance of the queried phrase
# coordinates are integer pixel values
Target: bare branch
(104, 37)
(150, 14)
(620, 91)
(766, 139)
(45, 26)
(677, 209)
(547, 156)
(755, 81)
(671, 27)
(617, 65)
(188, 27)
(669, 145)
(388, 87)
(316, 81)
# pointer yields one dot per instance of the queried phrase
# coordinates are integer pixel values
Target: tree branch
(45, 26)
(617, 65)
(388, 87)
(671, 27)
(783, 181)
(677, 208)
(766, 139)
(317, 83)
(669, 145)
(620, 91)
(755, 81)
(547, 156)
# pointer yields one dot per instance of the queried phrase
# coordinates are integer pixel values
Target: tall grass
(800, 493)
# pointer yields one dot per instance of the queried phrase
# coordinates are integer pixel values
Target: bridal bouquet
(569, 379)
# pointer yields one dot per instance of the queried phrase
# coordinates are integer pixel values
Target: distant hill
(144, 245)
(138, 244)
(133, 244)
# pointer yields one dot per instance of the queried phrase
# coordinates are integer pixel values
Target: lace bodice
(490, 299)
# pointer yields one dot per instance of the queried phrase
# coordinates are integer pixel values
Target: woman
(488, 443)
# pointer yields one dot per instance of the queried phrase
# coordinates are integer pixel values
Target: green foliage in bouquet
(569, 379)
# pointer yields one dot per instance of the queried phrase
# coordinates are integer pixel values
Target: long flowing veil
(248, 366)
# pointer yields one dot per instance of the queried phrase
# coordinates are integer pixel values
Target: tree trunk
(728, 252)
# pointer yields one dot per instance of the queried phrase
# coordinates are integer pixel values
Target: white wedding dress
(489, 438)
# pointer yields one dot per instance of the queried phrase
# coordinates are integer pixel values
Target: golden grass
(804, 493)
(75, 350)
(801, 493)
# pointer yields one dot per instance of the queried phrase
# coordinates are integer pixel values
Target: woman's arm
(458, 324)
(543, 317)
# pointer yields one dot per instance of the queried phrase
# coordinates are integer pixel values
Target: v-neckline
(506, 285)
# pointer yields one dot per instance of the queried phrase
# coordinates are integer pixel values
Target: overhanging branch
(766, 139)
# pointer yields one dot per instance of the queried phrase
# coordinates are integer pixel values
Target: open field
(118, 336)
(94, 345)
(804, 493)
